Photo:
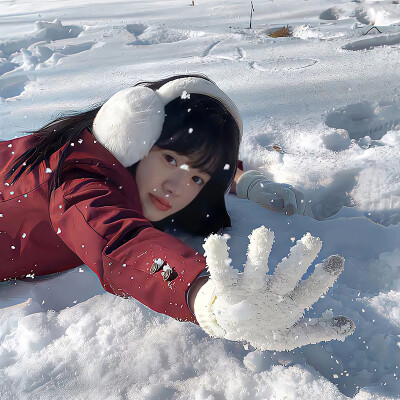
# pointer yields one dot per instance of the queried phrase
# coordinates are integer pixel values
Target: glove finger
(290, 270)
(307, 209)
(256, 267)
(269, 200)
(289, 202)
(280, 198)
(218, 262)
(305, 332)
(274, 196)
(317, 330)
(301, 205)
(323, 277)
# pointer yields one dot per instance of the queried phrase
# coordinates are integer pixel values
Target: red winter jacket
(95, 218)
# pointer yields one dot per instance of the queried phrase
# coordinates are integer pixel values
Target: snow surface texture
(328, 97)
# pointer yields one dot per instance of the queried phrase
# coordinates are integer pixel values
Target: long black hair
(199, 126)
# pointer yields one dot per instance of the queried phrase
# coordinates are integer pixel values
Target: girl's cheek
(160, 163)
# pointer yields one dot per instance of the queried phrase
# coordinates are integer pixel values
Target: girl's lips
(159, 203)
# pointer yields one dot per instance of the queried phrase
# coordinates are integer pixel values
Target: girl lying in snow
(100, 187)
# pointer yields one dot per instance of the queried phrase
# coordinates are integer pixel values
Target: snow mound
(34, 50)
(44, 32)
(305, 32)
(373, 119)
(159, 34)
(337, 12)
(371, 43)
(381, 13)
(51, 31)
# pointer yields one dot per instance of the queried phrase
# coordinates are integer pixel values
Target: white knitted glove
(255, 186)
(267, 310)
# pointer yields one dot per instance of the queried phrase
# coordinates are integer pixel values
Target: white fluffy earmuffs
(130, 122)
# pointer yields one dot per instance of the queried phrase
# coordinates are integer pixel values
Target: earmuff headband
(131, 121)
(178, 87)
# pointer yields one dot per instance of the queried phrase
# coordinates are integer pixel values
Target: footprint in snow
(136, 29)
(41, 55)
(225, 51)
(12, 85)
(285, 64)
(210, 48)
(6, 66)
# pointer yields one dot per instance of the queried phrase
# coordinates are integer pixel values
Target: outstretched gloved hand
(255, 186)
(267, 310)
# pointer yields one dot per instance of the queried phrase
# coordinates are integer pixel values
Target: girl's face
(167, 183)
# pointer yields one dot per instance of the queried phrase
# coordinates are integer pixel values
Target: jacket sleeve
(104, 226)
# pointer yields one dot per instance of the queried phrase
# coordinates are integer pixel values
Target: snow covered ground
(328, 96)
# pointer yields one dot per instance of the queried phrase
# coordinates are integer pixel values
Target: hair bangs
(203, 155)
(201, 128)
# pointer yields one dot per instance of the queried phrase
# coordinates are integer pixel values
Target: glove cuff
(203, 310)
(244, 182)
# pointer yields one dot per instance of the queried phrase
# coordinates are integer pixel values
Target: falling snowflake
(185, 95)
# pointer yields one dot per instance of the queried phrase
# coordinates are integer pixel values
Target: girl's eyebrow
(190, 164)
(201, 170)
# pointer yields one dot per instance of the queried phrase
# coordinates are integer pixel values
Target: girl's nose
(174, 184)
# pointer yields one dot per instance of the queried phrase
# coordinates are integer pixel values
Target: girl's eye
(197, 180)
(171, 160)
